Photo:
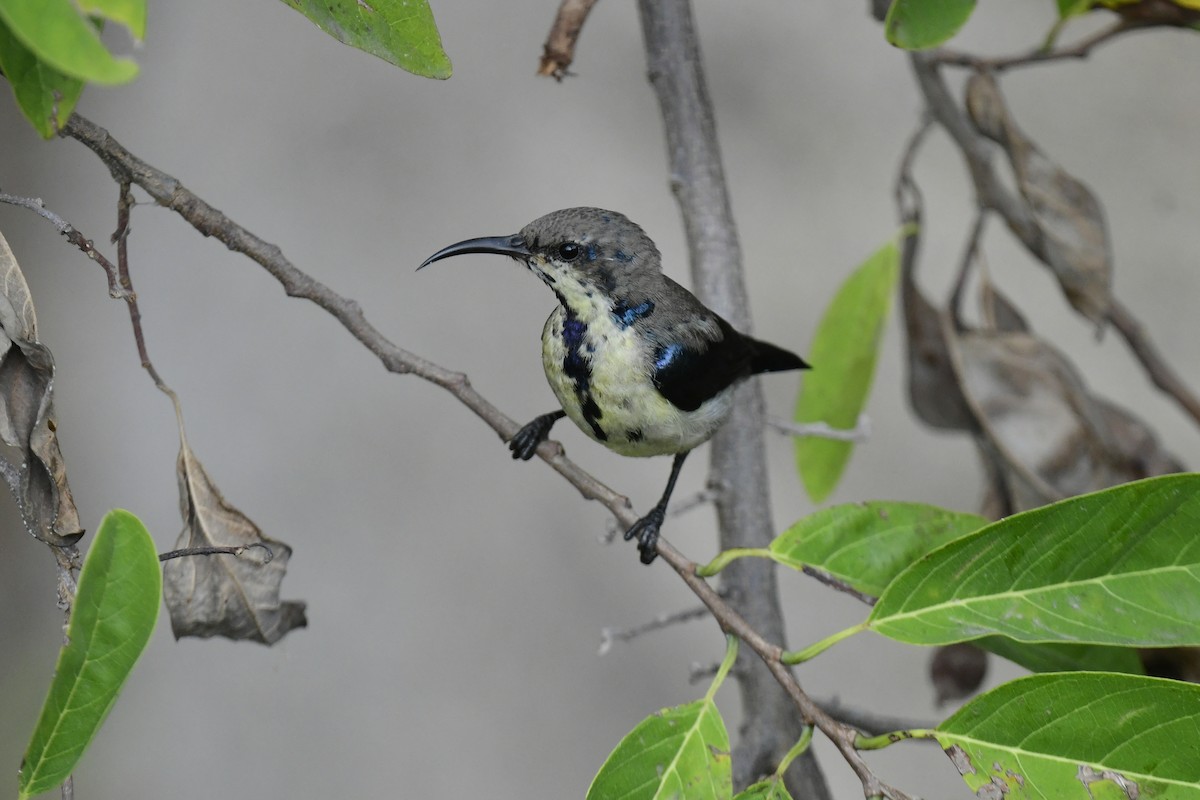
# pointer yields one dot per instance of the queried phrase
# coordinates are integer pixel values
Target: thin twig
(861, 431)
(559, 50)
(211, 550)
(1080, 49)
(712, 493)
(610, 636)
(1158, 370)
(120, 236)
(86, 245)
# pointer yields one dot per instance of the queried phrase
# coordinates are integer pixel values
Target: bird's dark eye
(568, 251)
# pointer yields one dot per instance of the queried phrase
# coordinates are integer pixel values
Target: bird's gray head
(583, 254)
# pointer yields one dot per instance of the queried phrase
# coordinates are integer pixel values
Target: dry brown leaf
(932, 384)
(223, 595)
(1034, 408)
(1073, 236)
(1044, 435)
(33, 466)
(998, 312)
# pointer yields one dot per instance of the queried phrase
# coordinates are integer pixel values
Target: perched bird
(635, 360)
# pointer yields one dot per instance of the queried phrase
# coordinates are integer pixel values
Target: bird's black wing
(688, 374)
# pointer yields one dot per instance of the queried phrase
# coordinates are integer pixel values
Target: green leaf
(401, 32)
(921, 24)
(843, 354)
(1116, 567)
(60, 35)
(1079, 735)
(116, 605)
(676, 752)
(45, 95)
(868, 544)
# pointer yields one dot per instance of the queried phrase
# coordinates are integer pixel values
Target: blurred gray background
(455, 598)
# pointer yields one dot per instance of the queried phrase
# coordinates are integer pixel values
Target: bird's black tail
(769, 358)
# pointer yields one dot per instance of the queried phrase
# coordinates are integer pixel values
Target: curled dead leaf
(222, 595)
(33, 464)
(932, 384)
(1072, 236)
(1043, 434)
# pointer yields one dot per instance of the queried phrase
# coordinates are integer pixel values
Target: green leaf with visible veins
(868, 544)
(921, 24)
(46, 96)
(843, 355)
(401, 32)
(115, 608)
(66, 39)
(1115, 567)
(1084, 735)
(676, 752)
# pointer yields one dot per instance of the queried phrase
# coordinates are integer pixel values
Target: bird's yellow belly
(614, 400)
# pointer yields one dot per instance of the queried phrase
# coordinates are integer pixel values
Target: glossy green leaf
(674, 753)
(1116, 567)
(116, 605)
(45, 96)
(868, 544)
(401, 32)
(1090, 736)
(65, 39)
(921, 24)
(843, 355)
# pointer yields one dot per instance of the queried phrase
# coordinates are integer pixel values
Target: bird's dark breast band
(576, 367)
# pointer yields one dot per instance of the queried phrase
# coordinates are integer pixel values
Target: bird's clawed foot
(524, 443)
(645, 530)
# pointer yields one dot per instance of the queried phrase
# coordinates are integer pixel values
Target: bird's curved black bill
(498, 245)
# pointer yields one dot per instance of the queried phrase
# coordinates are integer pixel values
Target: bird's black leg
(525, 442)
(646, 528)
